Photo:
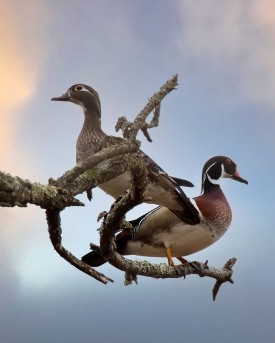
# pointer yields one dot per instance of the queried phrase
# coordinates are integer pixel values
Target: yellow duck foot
(168, 253)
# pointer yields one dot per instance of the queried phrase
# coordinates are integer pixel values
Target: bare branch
(15, 191)
(60, 193)
(103, 155)
(55, 231)
(130, 130)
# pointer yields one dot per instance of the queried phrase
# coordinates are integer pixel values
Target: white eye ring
(78, 88)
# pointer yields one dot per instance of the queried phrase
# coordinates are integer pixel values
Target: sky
(224, 54)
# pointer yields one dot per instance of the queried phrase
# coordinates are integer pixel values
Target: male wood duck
(160, 233)
(162, 189)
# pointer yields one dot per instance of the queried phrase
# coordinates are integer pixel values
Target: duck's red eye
(228, 161)
(78, 88)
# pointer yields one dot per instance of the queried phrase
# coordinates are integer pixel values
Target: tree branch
(55, 232)
(130, 130)
(15, 191)
(105, 154)
(60, 193)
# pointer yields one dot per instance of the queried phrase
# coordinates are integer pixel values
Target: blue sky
(224, 104)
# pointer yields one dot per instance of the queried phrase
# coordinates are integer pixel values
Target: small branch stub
(228, 271)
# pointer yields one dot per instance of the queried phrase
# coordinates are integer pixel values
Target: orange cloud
(20, 64)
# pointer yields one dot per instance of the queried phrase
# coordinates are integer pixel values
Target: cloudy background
(224, 53)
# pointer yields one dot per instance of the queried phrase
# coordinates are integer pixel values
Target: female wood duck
(160, 233)
(162, 189)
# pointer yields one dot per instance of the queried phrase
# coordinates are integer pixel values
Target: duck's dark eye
(78, 88)
(228, 161)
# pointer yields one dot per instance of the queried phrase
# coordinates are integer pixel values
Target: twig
(154, 123)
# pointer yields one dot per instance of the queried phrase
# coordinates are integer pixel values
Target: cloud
(22, 56)
(236, 36)
(21, 59)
